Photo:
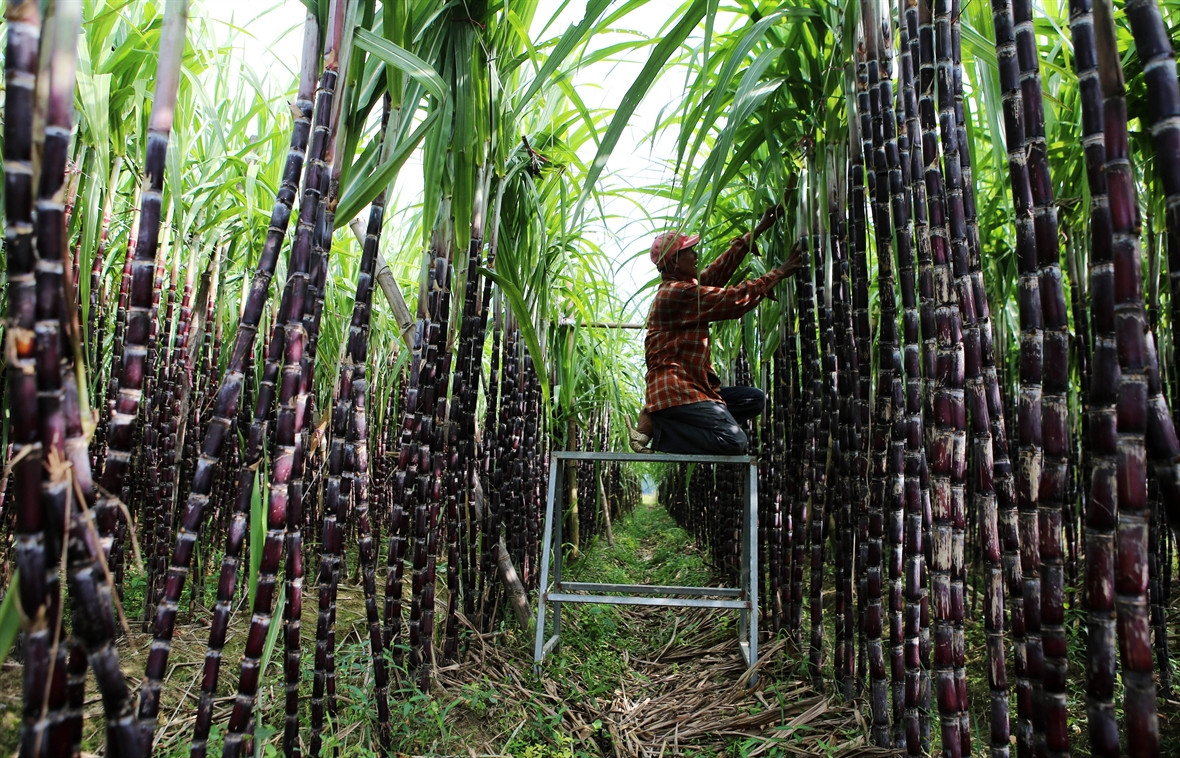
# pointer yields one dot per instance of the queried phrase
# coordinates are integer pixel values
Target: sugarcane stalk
(906, 377)
(142, 304)
(948, 446)
(1031, 724)
(67, 489)
(1153, 43)
(1102, 498)
(1132, 340)
(164, 623)
(29, 543)
(491, 473)
(863, 332)
(886, 165)
(842, 345)
(1052, 489)
(358, 437)
(972, 301)
(907, 728)
(811, 378)
(799, 506)
(1155, 52)
(287, 462)
(337, 490)
(236, 533)
(461, 428)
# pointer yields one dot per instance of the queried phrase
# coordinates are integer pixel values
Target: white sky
(277, 28)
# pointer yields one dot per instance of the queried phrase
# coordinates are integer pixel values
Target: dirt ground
(681, 689)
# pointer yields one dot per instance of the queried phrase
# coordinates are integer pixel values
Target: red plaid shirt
(679, 369)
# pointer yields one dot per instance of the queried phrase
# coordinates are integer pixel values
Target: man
(687, 409)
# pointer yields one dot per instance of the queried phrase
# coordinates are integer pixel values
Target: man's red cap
(668, 244)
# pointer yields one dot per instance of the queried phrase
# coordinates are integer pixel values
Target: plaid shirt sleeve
(677, 349)
(719, 272)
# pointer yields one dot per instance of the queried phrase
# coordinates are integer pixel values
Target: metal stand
(743, 598)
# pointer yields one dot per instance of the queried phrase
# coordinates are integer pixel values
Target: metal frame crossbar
(743, 598)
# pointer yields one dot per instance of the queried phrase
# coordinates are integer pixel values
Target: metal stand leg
(546, 544)
(558, 552)
(748, 627)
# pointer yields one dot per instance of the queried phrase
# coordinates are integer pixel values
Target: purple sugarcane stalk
(430, 413)
(236, 533)
(1004, 480)
(842, 343)
(37, 593)
(171, 51)
(859, 336)
(914, 566)
(67, 486)
(359, 439)
(997, 508)
(161, 427)
(1052, 490)
(947, 453)
(1031, 717)
(341, 475)
(778, 508)
(920, 23)
(824, 399)
(977, 346)
(1102, 499)
(287, 463)
(488, 479)
(1132, 339)
(227, 403)
(811, 382)
(337, 490)
(1153, 43)
(141, 308)
(883, 484)
(462, 444)
(863, 417)
(798, 532)
(897, 149)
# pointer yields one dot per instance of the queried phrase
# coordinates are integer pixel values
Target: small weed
(542, 736)
(563, 749)
(481, 697)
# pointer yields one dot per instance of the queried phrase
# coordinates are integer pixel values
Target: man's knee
(731, 440)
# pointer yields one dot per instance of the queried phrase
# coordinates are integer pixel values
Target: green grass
(649, 549)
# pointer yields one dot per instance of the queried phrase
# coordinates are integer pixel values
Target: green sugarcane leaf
(732, 60)
(689, 19)
(257, 532)
(9, 616)
(272, 634)
(362, 189)
(524, 317)
(403, 60)
(572, 37)
(272, 638)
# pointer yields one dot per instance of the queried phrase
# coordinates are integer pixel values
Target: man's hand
(771, 215)
(794, 262)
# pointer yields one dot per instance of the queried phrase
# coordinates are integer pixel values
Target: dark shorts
(708, 428)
